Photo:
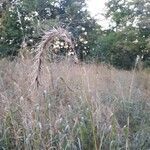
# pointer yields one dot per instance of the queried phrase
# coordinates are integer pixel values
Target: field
(67, 106)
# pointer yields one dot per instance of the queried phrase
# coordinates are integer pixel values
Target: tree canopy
(22, 23)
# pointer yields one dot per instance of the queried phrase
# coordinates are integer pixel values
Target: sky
(96, 9)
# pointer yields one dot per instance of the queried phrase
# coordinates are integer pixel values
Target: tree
(28, 19)
(74, 16)
(132, 31)
(21, 24)
(10, 31)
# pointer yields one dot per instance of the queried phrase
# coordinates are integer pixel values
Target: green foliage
(132, 31)
(10, 33)
(128, 36)
(20, 24)
(33, 17)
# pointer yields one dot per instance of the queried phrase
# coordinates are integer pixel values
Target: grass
(63, 105)
(75, 107)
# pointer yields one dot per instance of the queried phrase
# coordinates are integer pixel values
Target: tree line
(22, 23)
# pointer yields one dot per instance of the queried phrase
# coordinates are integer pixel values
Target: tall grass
(75, 107)
(67, 106)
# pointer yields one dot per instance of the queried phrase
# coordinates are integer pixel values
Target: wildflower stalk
(133, 76)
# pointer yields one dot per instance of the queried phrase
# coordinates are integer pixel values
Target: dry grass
(83, 106)
(69, 106)
(43, 49)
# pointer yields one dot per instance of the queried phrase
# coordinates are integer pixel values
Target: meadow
(71, 106)
(60, 88)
